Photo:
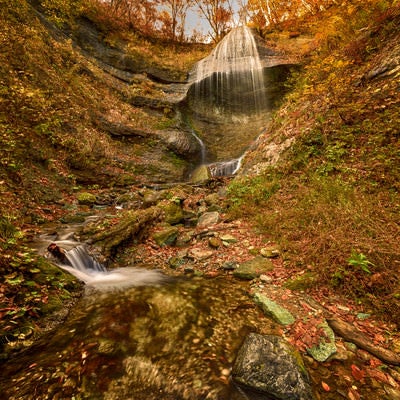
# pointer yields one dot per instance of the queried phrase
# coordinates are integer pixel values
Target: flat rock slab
(271, 367)
(274, 310)
(253, 268)
(208, 218)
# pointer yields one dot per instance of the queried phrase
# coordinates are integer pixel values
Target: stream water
(172, 340)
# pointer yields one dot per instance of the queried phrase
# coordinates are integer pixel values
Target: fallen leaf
(325, 386)
(357, 373)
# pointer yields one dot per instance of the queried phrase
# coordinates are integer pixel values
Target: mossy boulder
(326, 344)
(201, 174)
(87, 199)
(166, 236)
(173, 213)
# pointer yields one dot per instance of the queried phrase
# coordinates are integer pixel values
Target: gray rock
(208, 218)
(326, 345)
(274, 310)
(253, 268)
(182, 143)
(199, 254)
(272, 367)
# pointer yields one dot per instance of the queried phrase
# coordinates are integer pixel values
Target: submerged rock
(269, 365)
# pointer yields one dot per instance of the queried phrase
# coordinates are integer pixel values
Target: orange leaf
(353, 394)
(325, 386)
(357, 373)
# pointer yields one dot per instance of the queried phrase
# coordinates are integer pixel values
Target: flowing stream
(141, 337)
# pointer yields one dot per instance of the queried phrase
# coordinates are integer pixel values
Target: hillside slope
(71, 123)
(323, 179)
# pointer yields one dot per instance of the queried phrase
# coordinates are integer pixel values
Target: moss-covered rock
(173, 213)
(166, 236)
(86, 198)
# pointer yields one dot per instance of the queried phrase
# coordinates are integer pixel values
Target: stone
(166, 236)
(253, 268)
(181, 143)
(173, 213)
(87, 199)
(273, 310)
(200, 174)
(269, 366)
(212, 199)
(270, 252)
(185, 238)
(301, 282)
(228, 238)
(199, 254)
(175, 262)
(229, 265)
(208, 218)
(214, 242)
(326, 344)
(152, 197)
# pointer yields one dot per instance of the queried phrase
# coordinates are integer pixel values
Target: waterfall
(78, 262)
(231, 78)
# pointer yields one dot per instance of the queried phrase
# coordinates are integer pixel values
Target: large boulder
(271, 367)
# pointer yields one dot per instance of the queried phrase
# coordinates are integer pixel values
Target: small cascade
(231, 78)
(225, 168)
(201, 144)
(78, 262)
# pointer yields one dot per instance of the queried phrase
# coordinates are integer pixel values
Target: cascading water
(78, 262)
(231, 78)
(228, 100)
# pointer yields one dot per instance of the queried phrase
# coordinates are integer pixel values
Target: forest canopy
(184, 20)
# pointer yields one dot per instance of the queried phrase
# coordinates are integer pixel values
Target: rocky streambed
(231, 320)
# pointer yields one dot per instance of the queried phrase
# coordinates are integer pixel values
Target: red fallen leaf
(374, 362)
(357, 373)
(325, 386)
(378, 338)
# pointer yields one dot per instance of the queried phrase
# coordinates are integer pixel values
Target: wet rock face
(271, 367)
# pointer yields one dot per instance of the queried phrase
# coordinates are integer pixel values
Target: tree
(174, 18)
(219, 15)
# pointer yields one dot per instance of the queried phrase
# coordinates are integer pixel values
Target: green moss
(86, 198)
(301, 282)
